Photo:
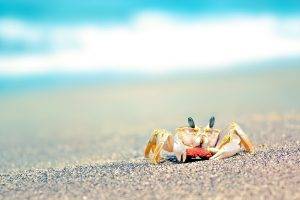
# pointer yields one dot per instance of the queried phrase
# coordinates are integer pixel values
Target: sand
(273, 172)
(87, 143)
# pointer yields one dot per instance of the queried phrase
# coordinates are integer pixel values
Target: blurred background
(87, 81)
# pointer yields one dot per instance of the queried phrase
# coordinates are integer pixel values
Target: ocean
(54, 37)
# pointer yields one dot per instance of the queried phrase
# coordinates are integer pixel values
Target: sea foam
(150, 42)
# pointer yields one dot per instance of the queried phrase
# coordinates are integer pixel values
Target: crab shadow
(173, 159)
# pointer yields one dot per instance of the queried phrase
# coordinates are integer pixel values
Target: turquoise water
(34, 33)
(73, 12)
(49, 81)
(70, 10)
(52, 81)
(27, 26)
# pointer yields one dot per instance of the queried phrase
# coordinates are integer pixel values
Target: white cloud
(152, 42)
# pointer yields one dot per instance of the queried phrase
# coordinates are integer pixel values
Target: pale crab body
(192, 136)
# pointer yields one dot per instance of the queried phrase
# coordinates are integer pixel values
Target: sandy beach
(270, 173)
(87, 143)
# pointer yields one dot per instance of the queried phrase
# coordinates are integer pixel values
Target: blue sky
(150, 36)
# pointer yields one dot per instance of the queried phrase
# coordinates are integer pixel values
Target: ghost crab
(206, 139)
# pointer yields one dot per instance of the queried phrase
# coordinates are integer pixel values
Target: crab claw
(233, 143)
(230, 147)
(179, 149)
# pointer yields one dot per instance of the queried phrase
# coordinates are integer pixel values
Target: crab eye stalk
(191, 122)
(211, 122)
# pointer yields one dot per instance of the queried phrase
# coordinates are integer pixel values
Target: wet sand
(87, 143)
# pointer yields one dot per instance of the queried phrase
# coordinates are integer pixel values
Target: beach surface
(86, 142)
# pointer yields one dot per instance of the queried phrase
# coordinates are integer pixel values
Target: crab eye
(211, 122)
(191, 122)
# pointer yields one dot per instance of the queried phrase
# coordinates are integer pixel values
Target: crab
(193, 138)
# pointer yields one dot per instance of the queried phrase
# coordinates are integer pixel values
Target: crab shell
(192, 142)
(190, 137)
(210, 137)
(198, 136)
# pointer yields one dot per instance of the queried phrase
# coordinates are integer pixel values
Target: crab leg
(245, 141)
(150, 145)
(229, 147)
(233, 143)
(160, 139)
(156, 155)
